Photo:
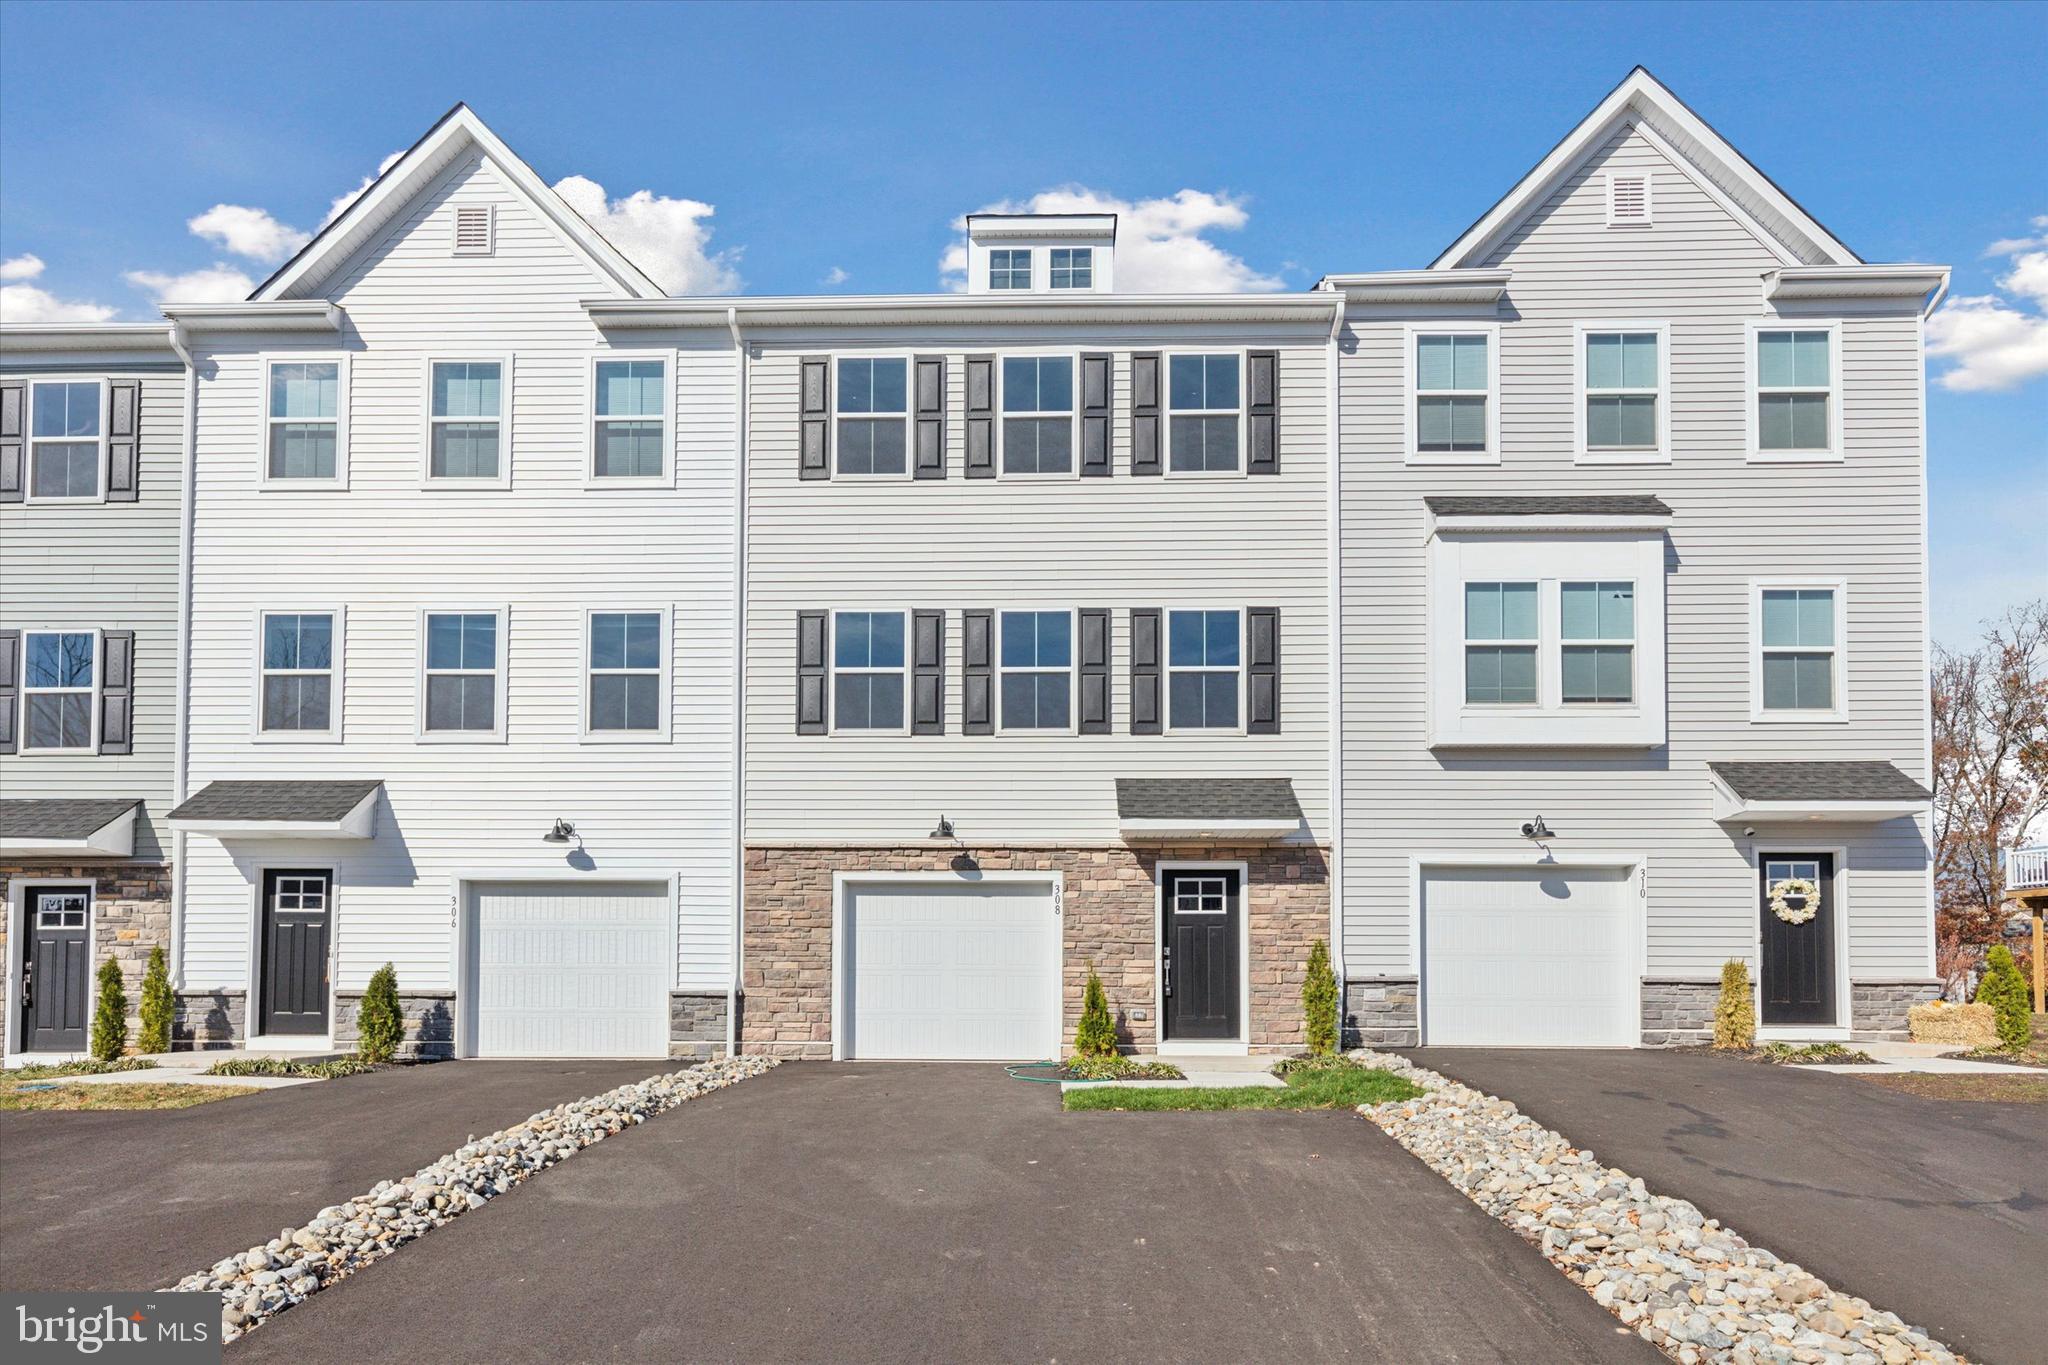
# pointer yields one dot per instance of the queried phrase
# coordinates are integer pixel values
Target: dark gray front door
(1798, 959)
(55, 968)
(295, 952)
(1199, 954)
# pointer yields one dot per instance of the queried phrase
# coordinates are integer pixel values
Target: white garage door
(951, 971)
(571, 970)
(1515, 957)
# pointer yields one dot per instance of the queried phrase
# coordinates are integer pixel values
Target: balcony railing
(2026, 869)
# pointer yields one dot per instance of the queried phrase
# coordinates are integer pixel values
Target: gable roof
(454, 134)
(1695, 148)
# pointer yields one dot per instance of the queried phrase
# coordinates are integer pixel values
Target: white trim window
(1623, 376)
(1038, 416)
(1795, 410)
(306, 424)
(871, 423)
(299, 690)
(630, 402)
(1205, 413)
(1073, 267)
(1204, 671)
(626, 660)
(1035, 667)
(462, 680)
(1501, 641)
(1009, 268)
(67, 440)
(1597, 643)
(1796, 658)
(870, 673)
(60, 691)
(468, 434)
(1453, 412)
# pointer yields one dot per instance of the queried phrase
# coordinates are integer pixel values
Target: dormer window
(1009, 268)
(1073, 267)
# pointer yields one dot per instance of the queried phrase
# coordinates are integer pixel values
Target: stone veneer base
(131, 913)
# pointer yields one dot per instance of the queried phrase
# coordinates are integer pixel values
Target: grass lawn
(1323, 1088)
(27, 1095)
(2006, 1089)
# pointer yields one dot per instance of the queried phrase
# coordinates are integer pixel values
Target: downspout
(182, 725)
(739, 675)
(1927, 602)
(1334, 635)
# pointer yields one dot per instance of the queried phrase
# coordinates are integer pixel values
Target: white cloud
(217, 283)
(25, 303)
(665, 237)
(24, 267)
(836, 276)
(1162, 245)
(248, 232)
(2006, 246)
(1998, 341)
(334, 210)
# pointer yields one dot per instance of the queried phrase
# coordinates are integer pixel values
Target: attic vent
(473, 230)
(1628, 201)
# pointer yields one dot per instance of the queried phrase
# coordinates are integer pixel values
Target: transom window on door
(1038, 414)
(1453, 394)
(1597, 633)
(1501, 639)
(462, 671)
(466, 419)
(61, 909)
(630, 417)
(874, 415)
(305, 437)
(1798, 650)
(1204, 660)
(1073, 267)
(298, 672)
(626, 671)
(67, 423)
(1037, 665)
(1009, 268)
(1795, 392)
(1203, 395)
(59, 690)
(1623, 398)
(868, 671)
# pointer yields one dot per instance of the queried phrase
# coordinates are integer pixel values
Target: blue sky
(793, 149)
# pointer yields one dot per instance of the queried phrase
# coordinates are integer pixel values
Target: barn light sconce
(1535, 829)
(944, 829)
(562, 833)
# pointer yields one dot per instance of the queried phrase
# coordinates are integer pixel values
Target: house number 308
(1058, 895)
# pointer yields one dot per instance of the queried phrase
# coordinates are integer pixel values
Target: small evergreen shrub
(110, 1015)
(380, 1024)
(2005, 990)
(157, 1004)
(1735, 1014)
(1319, 1002)
(1095, 1035)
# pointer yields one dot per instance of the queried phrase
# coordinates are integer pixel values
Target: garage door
(951, 971)
(1515, 957)
(578, 970)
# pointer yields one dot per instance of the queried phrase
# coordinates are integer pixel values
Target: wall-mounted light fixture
(1535, 829)
(944, 829)
(562, 833)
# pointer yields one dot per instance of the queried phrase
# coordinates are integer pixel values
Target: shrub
(1319, 1002)
(1735, 1015)
(1095, 1035)
(380, 1024)
(289, 1066)
(157, 1004)
(2005, 990)
(1117, 1067)
(110, 1015)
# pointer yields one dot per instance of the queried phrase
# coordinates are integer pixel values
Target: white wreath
(1795, 888)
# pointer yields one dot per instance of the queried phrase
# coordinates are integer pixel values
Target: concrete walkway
(1928, 1058)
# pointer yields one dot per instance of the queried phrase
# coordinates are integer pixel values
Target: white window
(1205, 413)
(626, 696)
(1452, 416)
(1073, 267)
(299, 694)
(630, 404)
(60, 682)
(462, 687)
(872, 428)
(468, 431)
(1009, 268)
(1035, 658)
(1038, 415)
(473, 224)
(1204, 671)
(67, 449)
(870, 671)
(1597, 650)
(1797, 670)
(1628, 199)
(1623, 414)
(306, 440)
(1795, 410)
(1501, 641)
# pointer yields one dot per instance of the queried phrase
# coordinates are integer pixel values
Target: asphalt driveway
(133, 1200)
(853, 1212)
(1937, 1210)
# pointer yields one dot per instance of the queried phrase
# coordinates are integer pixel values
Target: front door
(295, 915)
(1798, 984)
(55, 952)
(1199, 955)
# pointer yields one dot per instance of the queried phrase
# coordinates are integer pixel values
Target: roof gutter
(914, 309)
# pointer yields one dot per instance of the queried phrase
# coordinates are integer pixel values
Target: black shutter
(929, 400)
(124, 458)
(810, 672)
(117, 692)
(981, 417)
(814, 460)
(1145, 413)
(1262, 670)
(928, 672)
(1145, 659)
(977, 673)
(1262, 408)
(1094, 719)
(10, 687)
(1095, 416)
(13, 451)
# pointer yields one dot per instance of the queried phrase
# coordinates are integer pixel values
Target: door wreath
(1786, 891)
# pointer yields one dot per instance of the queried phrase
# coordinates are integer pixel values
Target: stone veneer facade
(1109, 918)
(131, 913)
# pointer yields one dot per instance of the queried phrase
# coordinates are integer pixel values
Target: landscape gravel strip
(1687, 1285)
(341, 1239)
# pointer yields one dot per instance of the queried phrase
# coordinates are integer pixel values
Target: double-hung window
(1797, 412)
(67, 449)
(869, 665)
(629, 420)
(1622, 419)
(1036, 660)
(1799, 635)
(1204, 670)
(464, 662)
(1452, 416)
(874, 416)
(307, 439)
(1597, 635)
(1501, 639)
(1073, 267)
(60, 691)
(466, 426)
(1009, 268)
(628, 666)
(1204, 398)
(1038, 414)
(299, 693)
